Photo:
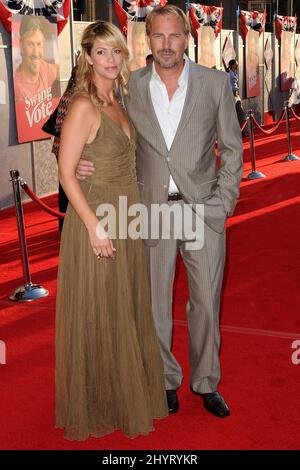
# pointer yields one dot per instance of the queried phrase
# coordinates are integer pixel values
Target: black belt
(174, 197)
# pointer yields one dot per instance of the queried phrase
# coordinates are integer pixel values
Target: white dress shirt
(168, 112)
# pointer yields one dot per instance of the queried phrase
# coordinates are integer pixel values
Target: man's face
(252, 55)
(32, 50)
(286, 43)
(139, 47)
(167, 40)
(205, 46)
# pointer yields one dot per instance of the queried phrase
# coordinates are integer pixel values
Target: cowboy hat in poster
(36, 73)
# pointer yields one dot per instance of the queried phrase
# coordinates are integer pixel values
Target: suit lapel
(192, 94)
(145, 97)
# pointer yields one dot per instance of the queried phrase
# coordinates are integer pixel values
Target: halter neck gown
(109, 373)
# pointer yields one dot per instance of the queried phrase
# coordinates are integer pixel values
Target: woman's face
(105, 59)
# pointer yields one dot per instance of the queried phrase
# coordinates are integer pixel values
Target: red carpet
(260, 320)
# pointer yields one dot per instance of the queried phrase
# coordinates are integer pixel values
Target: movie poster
(206, 46)
(228, 53)
(36, 74)
(297, 52)
(137, 44)
(252, 64)
(287, 59)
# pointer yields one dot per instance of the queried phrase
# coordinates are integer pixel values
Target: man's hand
(84, 168)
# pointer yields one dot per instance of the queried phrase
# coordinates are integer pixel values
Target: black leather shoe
(173, 403)
(215, 404)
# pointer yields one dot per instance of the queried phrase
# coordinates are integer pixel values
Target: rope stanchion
(254, 174)
(28, 291)
(294, 114)
(269, 131)
(36, 199)
(290, 157)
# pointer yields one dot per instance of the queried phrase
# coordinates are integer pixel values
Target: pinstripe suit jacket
(208, 113)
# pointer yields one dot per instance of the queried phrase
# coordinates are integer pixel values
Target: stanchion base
(28, 292)
(254, 175)
(290, 157)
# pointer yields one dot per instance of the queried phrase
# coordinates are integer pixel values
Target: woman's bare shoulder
(82, 110)
(82, 101)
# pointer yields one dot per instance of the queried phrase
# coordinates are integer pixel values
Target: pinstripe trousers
(205, 274)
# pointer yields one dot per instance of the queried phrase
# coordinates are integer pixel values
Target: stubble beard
(165, 64)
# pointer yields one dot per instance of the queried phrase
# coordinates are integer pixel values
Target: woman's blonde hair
(85, 75)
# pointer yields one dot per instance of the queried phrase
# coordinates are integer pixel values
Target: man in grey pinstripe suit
(178, 109)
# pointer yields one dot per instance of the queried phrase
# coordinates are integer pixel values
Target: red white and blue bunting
(203, 15)
(285, 23)
(251, 19)
(54, 8)
(137, 10)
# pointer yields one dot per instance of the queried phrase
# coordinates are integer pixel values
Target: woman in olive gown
(109, 373)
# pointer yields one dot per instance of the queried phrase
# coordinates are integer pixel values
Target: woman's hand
(102, 245)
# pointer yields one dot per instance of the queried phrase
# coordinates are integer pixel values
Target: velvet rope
(295, 115)
(35, 198)
(244, 125)
(50, 211)
(270, 131)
